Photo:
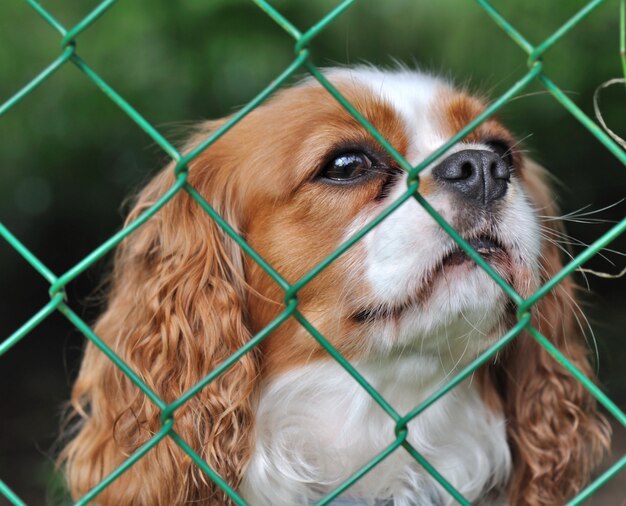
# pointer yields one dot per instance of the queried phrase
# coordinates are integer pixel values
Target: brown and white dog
(286, 424)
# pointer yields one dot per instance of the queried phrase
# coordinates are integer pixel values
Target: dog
(286, 424)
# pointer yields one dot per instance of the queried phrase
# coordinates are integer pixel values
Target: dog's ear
(176, 310)
(555, 430)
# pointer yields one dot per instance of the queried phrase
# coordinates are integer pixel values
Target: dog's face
(315, 177)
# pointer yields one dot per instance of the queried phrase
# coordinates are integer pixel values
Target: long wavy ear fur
(176, 309)
(555, 430)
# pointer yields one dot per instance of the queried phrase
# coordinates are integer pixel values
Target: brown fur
(175, 311)
(183, 299)
(458, 109)
(556, 433)
(555, 430)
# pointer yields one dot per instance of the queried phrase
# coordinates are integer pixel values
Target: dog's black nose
(478, 175)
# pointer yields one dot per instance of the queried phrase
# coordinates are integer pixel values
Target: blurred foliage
(69, 156)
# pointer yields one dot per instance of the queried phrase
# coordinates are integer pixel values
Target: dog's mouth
(486, 245)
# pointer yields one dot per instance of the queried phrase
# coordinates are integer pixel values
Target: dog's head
(298, 177)
(406, 285)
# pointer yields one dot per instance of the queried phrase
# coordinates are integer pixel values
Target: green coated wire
(229, 362)
(589, 124)
(281, 20)
(86, 22)
(39, 79)
(26, 254)
(583, 380)
(576, 262)
(508, 28)
(10, 495)
(126, 107)
(35, 320)
(560, 32)
(127, 464)
(374, 394)
(89, 334)
(364, 470)
(237, 237)
(435, 474)
(113, 241)
(255, 102)
(371, 129)
(315, 30)
(48, 18)
(599, 482)
(468, 369)
(236, 498)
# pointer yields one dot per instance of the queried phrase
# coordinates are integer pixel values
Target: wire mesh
(303, 61)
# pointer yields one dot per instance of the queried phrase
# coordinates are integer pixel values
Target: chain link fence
(302, 61)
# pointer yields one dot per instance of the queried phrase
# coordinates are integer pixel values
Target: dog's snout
(479, 176)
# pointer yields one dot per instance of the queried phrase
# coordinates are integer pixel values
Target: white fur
(316, 426)
(467, 304)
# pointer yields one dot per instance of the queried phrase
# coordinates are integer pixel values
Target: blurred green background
(69, 156)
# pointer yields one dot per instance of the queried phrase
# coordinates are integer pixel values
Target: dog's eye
(347, 166)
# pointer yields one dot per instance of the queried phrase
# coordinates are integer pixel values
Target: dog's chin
(453, 283)
(459, 312)
(455, 319)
